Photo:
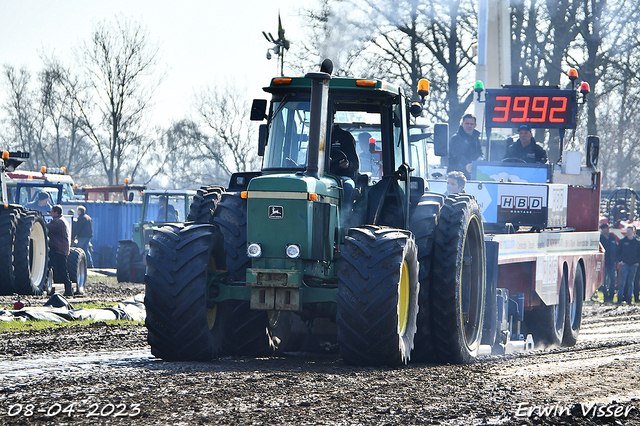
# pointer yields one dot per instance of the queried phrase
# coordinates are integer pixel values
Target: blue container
(112, 221)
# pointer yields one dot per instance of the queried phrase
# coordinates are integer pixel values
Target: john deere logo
(276, 212)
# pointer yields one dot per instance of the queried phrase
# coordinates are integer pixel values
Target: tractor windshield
(288, 136)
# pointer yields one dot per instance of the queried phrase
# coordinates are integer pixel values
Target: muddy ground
(106, 375)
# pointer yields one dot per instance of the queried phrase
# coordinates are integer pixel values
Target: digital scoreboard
(539, 108)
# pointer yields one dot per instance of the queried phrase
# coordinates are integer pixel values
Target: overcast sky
(201, 42)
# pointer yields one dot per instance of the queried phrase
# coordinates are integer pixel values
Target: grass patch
(92, 279)
(78, 305)
(19, 326)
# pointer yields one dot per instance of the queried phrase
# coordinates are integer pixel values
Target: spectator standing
(610, 245)
(40, 203)
(59, 242)
(83, 232)
(629, 257)
(465, 147)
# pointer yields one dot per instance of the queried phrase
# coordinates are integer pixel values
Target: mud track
(51, 376)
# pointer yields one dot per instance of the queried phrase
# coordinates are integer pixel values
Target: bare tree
(119, 62)
(231, 143)
(42, 120)
(402, 41)
(67, 145)
(25, 120)
(184, 158)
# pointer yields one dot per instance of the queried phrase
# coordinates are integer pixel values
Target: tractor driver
(344, 141)
(166, 209)
(526, 148)
(40, 203)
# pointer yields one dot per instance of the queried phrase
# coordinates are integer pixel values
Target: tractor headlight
(292, 251)
(254, 250)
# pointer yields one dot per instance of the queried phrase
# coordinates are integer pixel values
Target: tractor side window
(416, 159)
(67, 192)
(397, 137)
(29, 194)
(165, 208)
(288, 136)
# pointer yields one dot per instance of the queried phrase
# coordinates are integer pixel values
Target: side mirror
(441, 139)
(258, 110)
(262, 139)
(593, 150)
(130, 197)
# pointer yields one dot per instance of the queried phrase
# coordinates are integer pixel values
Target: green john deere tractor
(312, 243)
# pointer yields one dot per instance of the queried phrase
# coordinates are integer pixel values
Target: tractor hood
(294, 183)
(292, 209)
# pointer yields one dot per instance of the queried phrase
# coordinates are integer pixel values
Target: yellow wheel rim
(403, 299)
(211, 316)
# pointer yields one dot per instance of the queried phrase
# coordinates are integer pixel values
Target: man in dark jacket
(465, 147)
(610, 245)
(59, 241)
(83, 232)
(526, 148)
(629, 257)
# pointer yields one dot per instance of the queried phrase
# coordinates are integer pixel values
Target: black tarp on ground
(58, 309)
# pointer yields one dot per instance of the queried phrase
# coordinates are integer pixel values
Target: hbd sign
(511, 202)
(522, 204)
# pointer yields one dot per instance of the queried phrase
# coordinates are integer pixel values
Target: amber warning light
(281, 81)
(365, 83)
(423, 87)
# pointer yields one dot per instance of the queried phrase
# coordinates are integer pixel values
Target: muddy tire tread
(367, 315)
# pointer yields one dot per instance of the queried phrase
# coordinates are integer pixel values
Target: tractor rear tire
(422, 223)
(181, 326)
(125, 258)
(547, 323)
(255, 333)
(204, 204)
(377, 296)
(77, 267)
(458, 283)
(31, 254)
(574, 311)
(231, 217)
(9, 218)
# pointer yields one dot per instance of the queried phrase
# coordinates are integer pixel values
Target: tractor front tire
(458, 283)
(77, 267)
(181, 325)
(31, 254)
(9, 218)
(377, 296)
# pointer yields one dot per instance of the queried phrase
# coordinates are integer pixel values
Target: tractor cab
(361, 161)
